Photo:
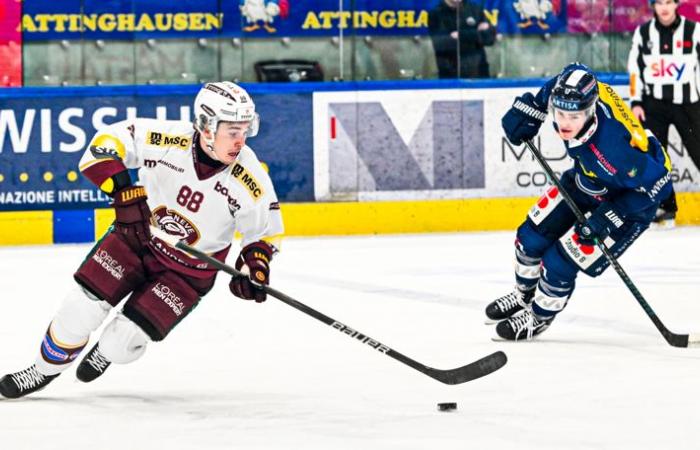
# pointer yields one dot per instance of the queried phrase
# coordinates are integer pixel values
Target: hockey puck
(451, 406)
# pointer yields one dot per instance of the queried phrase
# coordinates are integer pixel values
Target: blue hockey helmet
(576, 89)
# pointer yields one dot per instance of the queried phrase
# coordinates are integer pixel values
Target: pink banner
(603, 16)
(10, 43)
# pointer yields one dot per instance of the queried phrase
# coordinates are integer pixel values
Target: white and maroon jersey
(203, 206)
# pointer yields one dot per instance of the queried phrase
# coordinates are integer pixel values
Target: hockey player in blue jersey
(620, 174)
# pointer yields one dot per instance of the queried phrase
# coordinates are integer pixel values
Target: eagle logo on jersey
(176, 224)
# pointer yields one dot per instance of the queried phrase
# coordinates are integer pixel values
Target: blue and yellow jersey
(621, 161)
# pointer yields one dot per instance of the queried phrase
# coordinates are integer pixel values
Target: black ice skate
(664, 218)
(93, 365)
(508, 305)
(19, 384)
(524, 326)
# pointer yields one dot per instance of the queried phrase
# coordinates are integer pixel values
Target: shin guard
(69, 331)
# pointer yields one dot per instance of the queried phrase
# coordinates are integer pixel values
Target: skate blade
(497, 338)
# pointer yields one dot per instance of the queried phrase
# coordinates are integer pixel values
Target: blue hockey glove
(523, 120)
(599, 225)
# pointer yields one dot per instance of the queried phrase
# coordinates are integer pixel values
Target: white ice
(238, 375)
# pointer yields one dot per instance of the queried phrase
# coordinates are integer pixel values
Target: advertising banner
(132, 19)
(436, 144)
(43, 137)
(527, 16)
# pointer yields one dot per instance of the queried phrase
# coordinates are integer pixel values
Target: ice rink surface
(237, 375)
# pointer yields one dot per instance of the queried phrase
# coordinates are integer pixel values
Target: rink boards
(390, 158)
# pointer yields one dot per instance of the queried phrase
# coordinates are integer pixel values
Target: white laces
(98, 361)
(523, 321)
(28, 378)
(507, 302)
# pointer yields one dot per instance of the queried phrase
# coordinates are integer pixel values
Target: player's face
(570, 123)
(229, 140)
(666, 11)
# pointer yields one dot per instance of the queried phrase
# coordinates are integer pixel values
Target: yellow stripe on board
(26, 227)
(312, 219)
(319, 219)
(103, 219)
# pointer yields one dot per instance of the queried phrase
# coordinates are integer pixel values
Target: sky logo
(663, 69)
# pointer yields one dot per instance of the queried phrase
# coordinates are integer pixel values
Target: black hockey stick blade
(471, 371)
(674, 339)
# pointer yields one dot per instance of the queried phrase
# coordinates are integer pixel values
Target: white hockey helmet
(224, 101)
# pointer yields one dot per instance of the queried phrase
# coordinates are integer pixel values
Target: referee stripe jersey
(663, 62)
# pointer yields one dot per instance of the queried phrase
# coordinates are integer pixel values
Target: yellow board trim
(350, 218)
(103, 219)
(312, 219)
(26, 228)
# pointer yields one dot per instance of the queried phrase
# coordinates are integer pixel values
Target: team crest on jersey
(246, 179)
(167, 140)
(176, 225)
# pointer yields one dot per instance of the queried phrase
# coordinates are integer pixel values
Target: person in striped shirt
(664, 82)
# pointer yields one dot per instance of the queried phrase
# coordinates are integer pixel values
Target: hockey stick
(471, 371)
(676, 340)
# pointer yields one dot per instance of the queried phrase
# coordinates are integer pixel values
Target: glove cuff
(130, 195)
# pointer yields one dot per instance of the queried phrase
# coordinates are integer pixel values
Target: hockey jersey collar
(204, 165)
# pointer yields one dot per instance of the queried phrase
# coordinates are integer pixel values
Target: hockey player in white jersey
(200, 183)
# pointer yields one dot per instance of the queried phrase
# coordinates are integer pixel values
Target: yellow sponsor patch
(106, 146)
(167, 140)
(624, 115)
(246, 179)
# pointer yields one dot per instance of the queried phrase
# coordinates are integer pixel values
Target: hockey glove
(523, 120)
(133, 217)
(254, 261)
(599, 225)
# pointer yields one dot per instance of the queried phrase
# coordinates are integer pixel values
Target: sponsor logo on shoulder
(246, 179)
(167, 140)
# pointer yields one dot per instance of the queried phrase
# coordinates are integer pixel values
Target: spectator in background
(664, 72)
(459, 31)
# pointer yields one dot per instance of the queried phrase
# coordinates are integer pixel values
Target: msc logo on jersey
(167, 140)
(248, 180)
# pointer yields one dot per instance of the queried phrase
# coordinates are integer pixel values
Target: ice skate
(664, 219)
(524, 326)
(93, 365)
(509, 305)
(19, 384)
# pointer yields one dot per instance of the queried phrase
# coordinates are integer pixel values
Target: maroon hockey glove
(133, 217)
(256, 257)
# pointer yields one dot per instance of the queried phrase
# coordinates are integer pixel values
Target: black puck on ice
(451, 406)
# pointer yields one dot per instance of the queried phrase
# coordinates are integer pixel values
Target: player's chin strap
(209, 147)
(676, 340)
(471, 371)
